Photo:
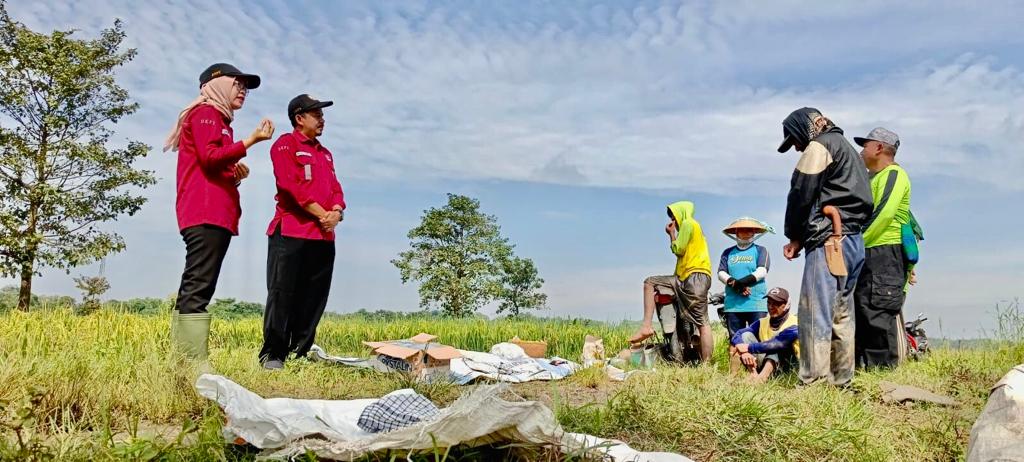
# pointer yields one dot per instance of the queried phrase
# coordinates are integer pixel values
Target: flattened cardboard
(443, 352)
(423, 338)
(395, 351)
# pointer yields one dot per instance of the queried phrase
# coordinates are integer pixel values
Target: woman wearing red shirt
(209, 172)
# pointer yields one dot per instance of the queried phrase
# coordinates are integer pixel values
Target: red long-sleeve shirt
(206, 189)
(304, 170)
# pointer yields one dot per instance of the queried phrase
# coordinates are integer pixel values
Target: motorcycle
(917, 341)
(680, 338)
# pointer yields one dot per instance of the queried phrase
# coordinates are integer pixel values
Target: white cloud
(645, 96)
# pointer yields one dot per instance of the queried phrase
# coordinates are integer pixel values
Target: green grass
(102, 387)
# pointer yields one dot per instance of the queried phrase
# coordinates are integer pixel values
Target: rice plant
(102, 386)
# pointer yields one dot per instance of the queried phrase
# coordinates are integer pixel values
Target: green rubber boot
(192, 335)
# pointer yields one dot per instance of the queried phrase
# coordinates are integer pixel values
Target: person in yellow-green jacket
(692, 278)
(879, 295)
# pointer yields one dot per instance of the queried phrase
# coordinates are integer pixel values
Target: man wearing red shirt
(300, 258)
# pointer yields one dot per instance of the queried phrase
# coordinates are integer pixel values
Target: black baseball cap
(795, 127)
(222, 69)
(305, 103)
(787, 141)
(778, 294)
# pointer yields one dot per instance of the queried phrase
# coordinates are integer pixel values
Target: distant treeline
(221, 307)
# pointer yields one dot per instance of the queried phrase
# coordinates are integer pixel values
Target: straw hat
(747, 222)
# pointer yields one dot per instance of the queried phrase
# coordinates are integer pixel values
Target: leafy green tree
(60, 175)
(455, 255)
(92, 287)
(520, 287)
(230, 308)
(148, 305)
(8, 298)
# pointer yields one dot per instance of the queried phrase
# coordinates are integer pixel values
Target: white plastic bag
(509, 351)
(998, 434)
(286, 427)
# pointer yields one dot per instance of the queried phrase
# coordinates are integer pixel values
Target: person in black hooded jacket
(829, 172)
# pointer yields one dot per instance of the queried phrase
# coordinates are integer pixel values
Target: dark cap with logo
(305, 103)
(222, 69)
(778, 294)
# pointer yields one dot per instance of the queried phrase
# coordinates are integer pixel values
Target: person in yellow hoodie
(692, 278)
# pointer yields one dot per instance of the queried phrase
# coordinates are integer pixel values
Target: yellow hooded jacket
(690, 247)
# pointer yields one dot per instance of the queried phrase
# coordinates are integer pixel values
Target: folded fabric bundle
(396, 410)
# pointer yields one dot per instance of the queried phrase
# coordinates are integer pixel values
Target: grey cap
(882, 135)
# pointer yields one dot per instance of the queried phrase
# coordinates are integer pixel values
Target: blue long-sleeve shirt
(782, 342)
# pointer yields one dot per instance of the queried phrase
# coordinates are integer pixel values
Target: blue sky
(577, 122)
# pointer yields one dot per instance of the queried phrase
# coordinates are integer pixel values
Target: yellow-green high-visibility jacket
(890, 189)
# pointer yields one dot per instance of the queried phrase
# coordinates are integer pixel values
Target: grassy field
(102, 387)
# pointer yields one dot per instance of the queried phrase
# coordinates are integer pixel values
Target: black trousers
(736, 320)
(205, 247)
(298, 282)
(879, 299)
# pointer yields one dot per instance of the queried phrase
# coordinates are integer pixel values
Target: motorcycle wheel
(922, 343)
(675, 348)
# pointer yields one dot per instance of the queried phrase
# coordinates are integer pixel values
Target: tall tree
(520, 287)
(455, 255)
(92, 287)
(60, 176)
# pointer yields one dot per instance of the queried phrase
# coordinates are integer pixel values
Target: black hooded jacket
(830, 172)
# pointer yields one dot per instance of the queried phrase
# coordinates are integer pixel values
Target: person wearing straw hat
(207, 203)
(742, 268)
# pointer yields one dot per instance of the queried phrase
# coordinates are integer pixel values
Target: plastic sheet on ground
(998, 434)
(474, 365)
(318, 354)
(619, 375)
(285, 427)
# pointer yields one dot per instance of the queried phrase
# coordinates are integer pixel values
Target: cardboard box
(533, 348)
(419, 357)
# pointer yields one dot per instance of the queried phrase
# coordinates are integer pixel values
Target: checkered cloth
(395, 411)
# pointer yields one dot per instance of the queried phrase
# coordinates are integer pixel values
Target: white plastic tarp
(285, 427)
(998, 434)
(475, 364)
